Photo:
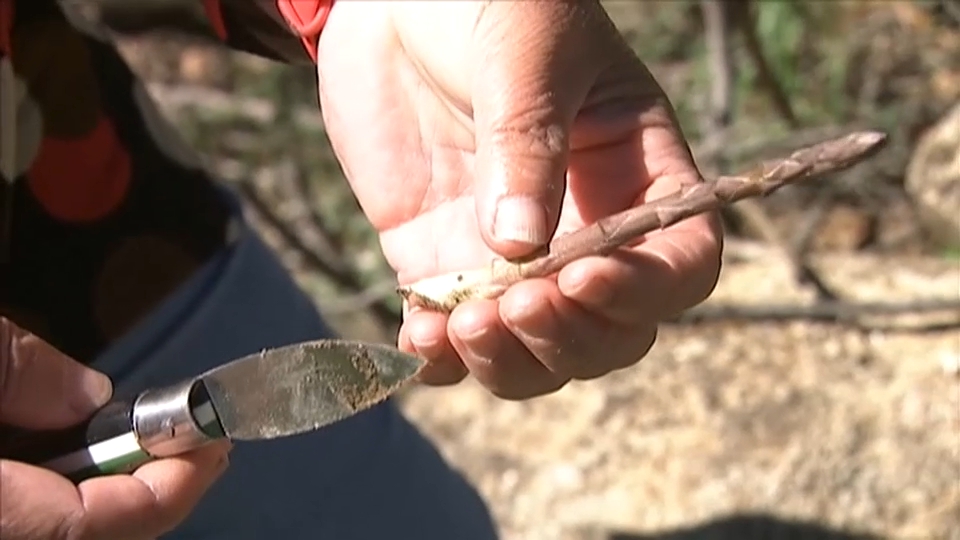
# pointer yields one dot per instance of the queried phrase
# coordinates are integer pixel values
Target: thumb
(41, 388)
(527, 91)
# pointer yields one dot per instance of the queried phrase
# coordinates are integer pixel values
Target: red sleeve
(284, 30)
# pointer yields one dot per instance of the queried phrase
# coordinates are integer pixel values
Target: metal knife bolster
(175, 419)
(125, 434)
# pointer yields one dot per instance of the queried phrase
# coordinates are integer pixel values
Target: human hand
(470, 130)
(42, 389)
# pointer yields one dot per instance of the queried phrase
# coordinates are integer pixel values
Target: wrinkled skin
(440, 111)
(43, 389)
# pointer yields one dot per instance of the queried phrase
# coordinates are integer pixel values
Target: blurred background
(816, 394)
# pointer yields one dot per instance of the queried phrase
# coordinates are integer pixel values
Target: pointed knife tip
(411, 364)
(383, 370)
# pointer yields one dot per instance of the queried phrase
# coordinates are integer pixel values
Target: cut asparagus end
(447, 291)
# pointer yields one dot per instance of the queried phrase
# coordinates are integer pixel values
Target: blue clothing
(372, 476)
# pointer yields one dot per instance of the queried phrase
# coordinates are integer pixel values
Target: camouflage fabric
(103, 210)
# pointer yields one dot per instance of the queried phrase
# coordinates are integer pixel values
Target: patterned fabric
(103, 210)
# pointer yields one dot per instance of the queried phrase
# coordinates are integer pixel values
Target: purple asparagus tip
(870, 139)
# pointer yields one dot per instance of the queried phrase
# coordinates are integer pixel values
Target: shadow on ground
(747, 527)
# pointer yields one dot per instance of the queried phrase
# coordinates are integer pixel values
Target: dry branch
(718, 29)
(342, 277)
(942, 313)
(745, 16)
(722, 18)
(445, 292)
(279, 224)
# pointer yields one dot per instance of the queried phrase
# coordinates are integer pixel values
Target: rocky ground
(769, 431)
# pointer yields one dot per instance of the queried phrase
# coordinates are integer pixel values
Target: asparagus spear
(445, 292)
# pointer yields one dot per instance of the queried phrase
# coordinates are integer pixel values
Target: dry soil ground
(853, 430)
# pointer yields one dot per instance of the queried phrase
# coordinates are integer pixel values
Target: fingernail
(95, 390)
(521, 219)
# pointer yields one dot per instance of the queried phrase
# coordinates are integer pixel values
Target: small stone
(950, 363)
(933, 179)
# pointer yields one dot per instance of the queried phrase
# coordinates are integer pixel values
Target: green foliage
(803, 44)
(952, 254)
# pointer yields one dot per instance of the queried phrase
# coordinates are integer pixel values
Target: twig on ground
(445, 292)
(794, 252)
(833, 311)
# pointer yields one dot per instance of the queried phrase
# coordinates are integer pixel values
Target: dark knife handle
(103, 444)
(124, 434)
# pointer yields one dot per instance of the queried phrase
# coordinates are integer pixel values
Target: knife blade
(274, 393)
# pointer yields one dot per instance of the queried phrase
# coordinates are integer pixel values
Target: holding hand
(470, 130)
(42, 389)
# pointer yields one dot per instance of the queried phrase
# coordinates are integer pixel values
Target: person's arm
(283, 30)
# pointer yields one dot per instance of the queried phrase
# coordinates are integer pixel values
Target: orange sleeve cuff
(307, 18)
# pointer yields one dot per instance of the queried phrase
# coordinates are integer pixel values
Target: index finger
(40, 387)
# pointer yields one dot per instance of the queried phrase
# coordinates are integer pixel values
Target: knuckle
(529, 133)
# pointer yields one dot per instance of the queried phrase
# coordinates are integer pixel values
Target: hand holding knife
(274, 393)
